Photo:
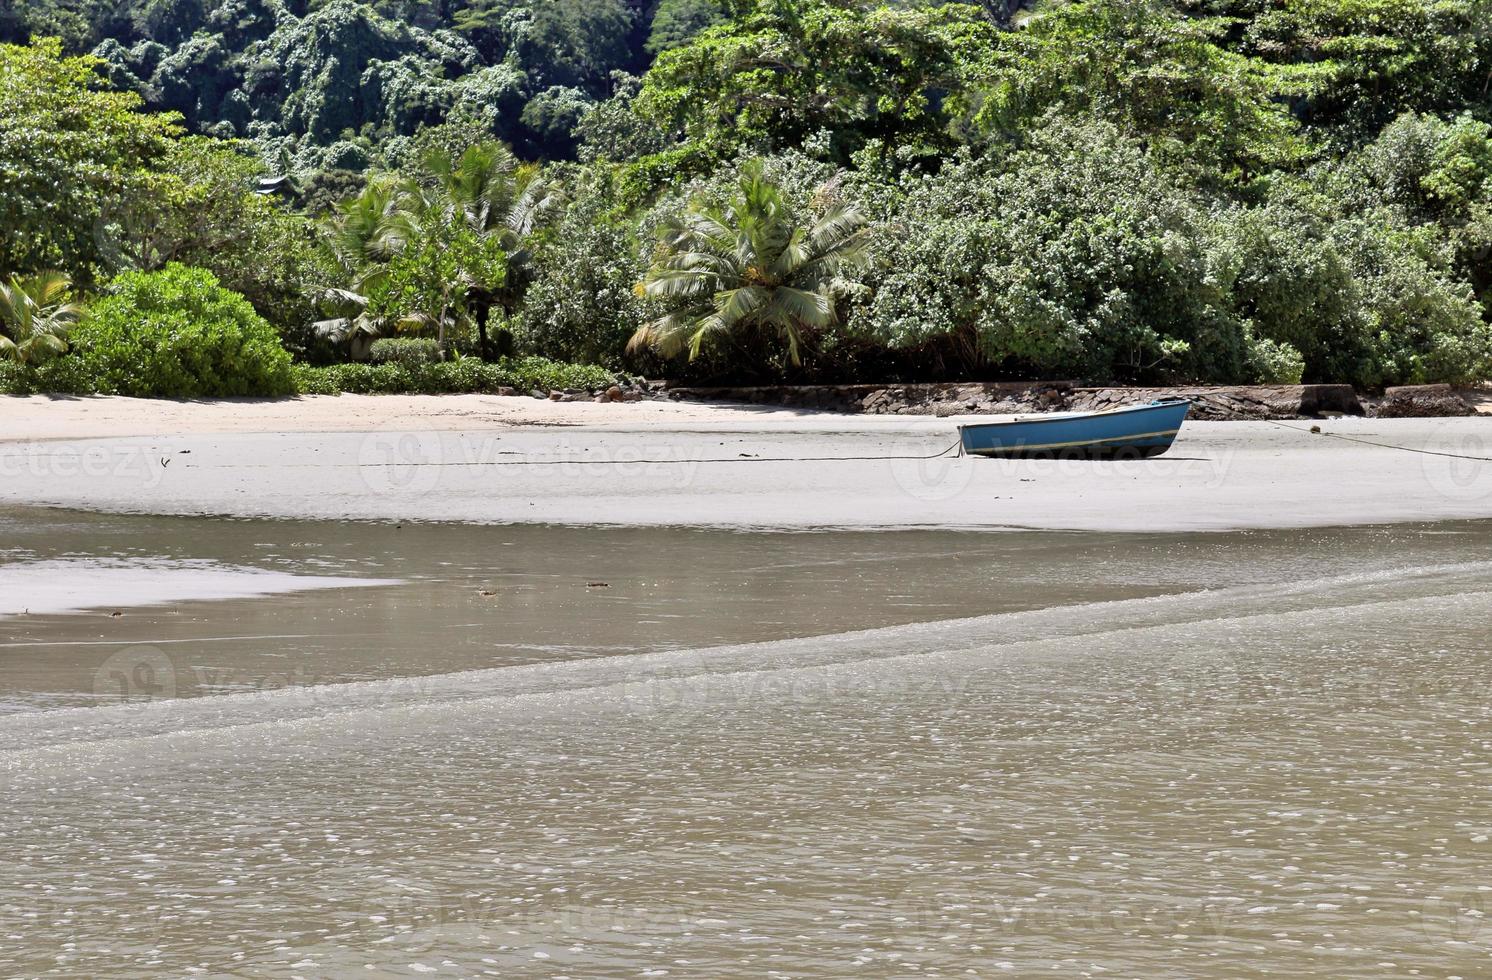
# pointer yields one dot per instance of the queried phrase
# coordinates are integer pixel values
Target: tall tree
(499, 199)
(1159, 76)
(793, 69)
(73, 157)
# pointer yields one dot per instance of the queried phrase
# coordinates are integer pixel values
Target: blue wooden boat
(1122, 433)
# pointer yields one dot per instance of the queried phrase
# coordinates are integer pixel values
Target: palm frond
(834, 228)
(799, 306)
(35, 315)
(737, 305)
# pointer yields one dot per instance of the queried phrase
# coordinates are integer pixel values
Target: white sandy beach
(452, 458)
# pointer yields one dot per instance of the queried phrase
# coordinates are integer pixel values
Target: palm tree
(496, 196)
(750, 268)
(366, 232)
(35, 316)
(484, 193)
(371, 228)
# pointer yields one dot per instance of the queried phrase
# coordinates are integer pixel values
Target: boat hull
(1127, 433)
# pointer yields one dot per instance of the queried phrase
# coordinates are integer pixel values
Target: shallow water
(912, 753)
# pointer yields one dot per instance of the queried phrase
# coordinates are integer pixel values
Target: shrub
(1076, 257)
(1295, 288)
(177, 333)
(16, 379)
(462, 375)
(1422, 324)
(1275, 363)
(404, 350)
(581, 305)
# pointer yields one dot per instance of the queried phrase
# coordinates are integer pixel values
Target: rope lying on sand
(1318, 431)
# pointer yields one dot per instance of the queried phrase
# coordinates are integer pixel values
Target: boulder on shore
(1236, 402)
(1422, 402)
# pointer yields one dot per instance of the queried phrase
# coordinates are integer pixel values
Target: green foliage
(207, 216)
(1422, 324)
(407, 351)
(54, 376)
(1293, 287)
(424, 285)
(440, 249)
(676, 22)
(1129, 189)
(571, 43)
(582, 305)
(749, 271)
(462, 375)
(1379, 58)
(552, 118)
(783, 72)
(1076, 257)
(343, 66)
(1155, 74)
(1276, 363)
(178, 333)
(35, 317)
(72, 159)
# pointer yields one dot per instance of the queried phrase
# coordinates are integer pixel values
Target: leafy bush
(177, 333)
(581, 305)
(407, 351)
(1076, 257)
(58, 376)
(17, 379)
(1294, 288)
(1422, 325)
(1275, 363)
(462, 375)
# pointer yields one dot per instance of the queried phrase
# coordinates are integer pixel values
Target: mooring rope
(1318, 431)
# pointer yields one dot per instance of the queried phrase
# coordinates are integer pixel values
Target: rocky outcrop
(1240, 402)
(1018, 397)
(1028, 397)
(1422, 401)
(898, 399)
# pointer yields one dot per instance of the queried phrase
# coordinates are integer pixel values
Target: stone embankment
(1022, 397)
(1005, 398)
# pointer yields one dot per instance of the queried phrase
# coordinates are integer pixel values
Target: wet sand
(208, 607)
(472, 459)
(1285, 776)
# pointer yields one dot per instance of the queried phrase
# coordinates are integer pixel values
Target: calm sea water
(553, 752)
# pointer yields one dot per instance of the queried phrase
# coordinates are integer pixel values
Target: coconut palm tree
(496, 196)
(371, 228)
(365, 233)
(35, 316)
(750, 267)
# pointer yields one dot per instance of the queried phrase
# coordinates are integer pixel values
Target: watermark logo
(934, 479)
(404, 463)
(686, 686)
(1463, 473)
(63, 461)
(135, 673)
(950, 477)
(1458, 917)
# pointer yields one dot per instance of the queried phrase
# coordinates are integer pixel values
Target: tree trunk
(480, 312)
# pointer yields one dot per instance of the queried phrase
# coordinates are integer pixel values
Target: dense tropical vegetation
(259, 196)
